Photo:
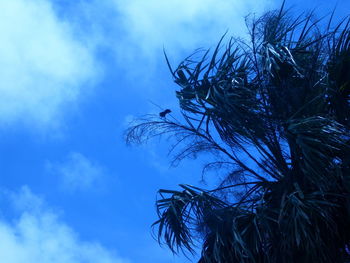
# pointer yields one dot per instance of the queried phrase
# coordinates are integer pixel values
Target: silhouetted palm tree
(280, 101)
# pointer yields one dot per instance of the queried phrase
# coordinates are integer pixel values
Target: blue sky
(73, 73)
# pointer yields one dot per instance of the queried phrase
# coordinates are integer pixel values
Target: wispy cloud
(180, 25)
(44, 64)
(48, 52)
(77, 173)
(38, 235)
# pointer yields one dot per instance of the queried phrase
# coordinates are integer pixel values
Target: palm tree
(281, 101)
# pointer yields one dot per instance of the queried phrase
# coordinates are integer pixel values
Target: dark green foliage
(280, 100)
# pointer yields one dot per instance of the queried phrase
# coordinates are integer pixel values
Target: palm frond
(274, 112)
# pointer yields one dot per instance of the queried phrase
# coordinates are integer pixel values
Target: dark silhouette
(164, 113)
(274, 111)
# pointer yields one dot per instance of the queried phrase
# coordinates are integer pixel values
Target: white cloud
(43, 64)
(38, 235)
(181, 24)
(47, 60)
(78, 173)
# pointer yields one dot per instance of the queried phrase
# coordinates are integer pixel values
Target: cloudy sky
(73, 73)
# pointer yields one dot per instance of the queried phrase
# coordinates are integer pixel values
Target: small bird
(164, 113)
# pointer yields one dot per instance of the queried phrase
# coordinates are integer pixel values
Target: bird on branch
(164, 113)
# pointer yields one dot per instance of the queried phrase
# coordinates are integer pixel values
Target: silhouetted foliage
(280, 100)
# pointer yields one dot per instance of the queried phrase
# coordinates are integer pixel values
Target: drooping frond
(276, 109)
